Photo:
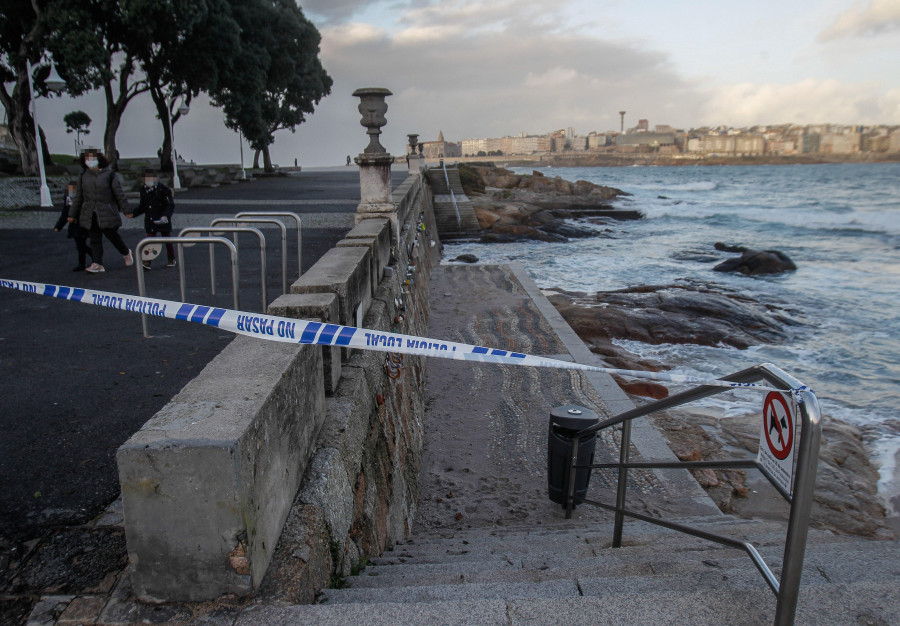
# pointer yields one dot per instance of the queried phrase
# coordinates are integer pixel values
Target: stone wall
(323, 444)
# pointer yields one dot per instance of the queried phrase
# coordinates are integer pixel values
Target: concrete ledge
(314, 306)
(208, 482)
(345, 273)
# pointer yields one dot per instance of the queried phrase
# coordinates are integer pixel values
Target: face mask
(150, 182)
(92, 163)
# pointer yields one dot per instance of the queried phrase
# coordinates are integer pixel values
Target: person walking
(157, 206)
(76, 232)
(98, 201)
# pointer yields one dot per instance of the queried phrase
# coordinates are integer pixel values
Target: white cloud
(879, 16)
(807, 101)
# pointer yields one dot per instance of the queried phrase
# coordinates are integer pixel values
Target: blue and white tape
(288, 330)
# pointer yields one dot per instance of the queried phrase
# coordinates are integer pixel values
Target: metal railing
(295, 217)
(179, 243)
(263, 220)
(787, 588)
(212, 256)
(452, 195)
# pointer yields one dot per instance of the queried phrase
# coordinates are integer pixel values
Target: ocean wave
(700, 185)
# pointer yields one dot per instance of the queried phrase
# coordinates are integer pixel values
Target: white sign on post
(776, 439)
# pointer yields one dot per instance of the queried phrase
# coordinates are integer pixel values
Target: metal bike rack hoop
(212, 255)
(295, 217)
(179, 243)
(263, 220)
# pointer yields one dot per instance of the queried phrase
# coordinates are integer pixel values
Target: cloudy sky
(478, 68)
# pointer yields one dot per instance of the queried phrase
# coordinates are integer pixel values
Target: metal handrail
(179, 242)
(786, 589)
(212, 256)
(264, 220)
(452, 195)
(295, 217)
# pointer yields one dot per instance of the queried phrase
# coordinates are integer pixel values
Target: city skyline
(475, 69)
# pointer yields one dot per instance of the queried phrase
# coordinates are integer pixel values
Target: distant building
(844, 143)
(894, 143)
(596, 140)
(643, 126)
(441, 149)
(525, 145)
(645, 139)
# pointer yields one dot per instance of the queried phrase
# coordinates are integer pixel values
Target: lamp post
(55, 84)
(183, 110)
(243, 171)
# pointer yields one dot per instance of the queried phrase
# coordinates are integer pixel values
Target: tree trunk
(115, 107)
(267, 160)
(256, 160)
(162, 111)
(21, 124)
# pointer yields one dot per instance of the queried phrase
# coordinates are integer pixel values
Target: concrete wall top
(219, 404)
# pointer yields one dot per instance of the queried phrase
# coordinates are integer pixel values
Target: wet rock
(674, 314)
(724, 247)
(466, 258)
(845, 499)
(753, 263)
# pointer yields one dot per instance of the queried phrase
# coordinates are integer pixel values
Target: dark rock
(695, 255)
(466, 258)
(724, 247)
(662, 197)
(675, 314)
(752, 263)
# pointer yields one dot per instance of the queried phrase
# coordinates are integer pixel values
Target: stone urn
(372, 107)
(413, 141)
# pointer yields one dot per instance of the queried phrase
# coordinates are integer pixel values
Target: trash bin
(565, 421)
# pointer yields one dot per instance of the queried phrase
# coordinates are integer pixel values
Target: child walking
(157, 206)
(76, 232)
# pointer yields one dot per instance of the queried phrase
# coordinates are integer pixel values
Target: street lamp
(241, 138)
(183, 110)
(56, 84)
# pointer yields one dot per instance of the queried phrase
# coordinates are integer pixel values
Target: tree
(277, 77)
(23, 39)
(77, 122)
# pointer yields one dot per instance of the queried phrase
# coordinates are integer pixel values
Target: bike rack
(295, 217)
(179, 243)
(280, 224)
(212, 255)
(787, 589)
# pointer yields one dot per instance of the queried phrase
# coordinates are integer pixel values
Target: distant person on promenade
(76, 232)
(98, 201)
(348, 159)
(157, 206)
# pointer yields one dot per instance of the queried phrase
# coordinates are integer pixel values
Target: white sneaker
(94, 268)
(129, 260)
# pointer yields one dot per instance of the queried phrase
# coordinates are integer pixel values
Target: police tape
(289, 330)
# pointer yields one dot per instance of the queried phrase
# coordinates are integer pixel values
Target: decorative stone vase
(413, 140)
(372, 107)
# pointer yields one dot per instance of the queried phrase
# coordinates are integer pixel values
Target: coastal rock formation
(687, 313)
(755, 262)
(512, 207)
(845, 500)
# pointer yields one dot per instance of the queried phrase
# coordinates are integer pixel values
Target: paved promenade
(76, 381)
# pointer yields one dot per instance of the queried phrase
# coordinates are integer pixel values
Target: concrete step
(829, 562)
(438, 593)
(571, 545)
(858, 603)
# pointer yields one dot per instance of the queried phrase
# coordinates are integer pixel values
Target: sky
(490, 68)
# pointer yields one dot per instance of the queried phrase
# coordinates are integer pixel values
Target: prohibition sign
(778, 425)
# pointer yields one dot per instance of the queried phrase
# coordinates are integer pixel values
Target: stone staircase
(558, 574)
(445, 212)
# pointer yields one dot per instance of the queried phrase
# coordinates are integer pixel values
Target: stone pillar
(374, 162)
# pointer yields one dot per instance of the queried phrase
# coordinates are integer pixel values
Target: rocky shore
(512, 207)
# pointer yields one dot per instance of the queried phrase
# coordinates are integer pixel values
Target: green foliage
(77, 122)
(277, 77)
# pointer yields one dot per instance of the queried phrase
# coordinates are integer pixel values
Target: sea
(840, 224)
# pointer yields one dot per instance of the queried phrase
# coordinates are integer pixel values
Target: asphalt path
(77, 381)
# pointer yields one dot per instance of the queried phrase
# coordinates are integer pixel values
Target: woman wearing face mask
(96, 206)
(156, 206)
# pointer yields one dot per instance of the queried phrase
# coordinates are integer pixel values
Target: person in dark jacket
(98, 201)
(157, 206)
(76, 232)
